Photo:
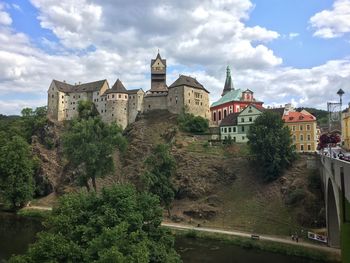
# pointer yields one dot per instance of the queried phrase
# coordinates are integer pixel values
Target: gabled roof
(84, 87)
(233, 95)
(158, 56)
(258, 107)
(248, 90)
(134, 91)
(295, 116)
(187, 81)
(230, 120)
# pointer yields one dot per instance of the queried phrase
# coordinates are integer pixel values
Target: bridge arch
(333, 220)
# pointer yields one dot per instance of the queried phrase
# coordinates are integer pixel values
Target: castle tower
(158, 75)
(228, 83)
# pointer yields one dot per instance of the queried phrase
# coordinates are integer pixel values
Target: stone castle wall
(155, 103)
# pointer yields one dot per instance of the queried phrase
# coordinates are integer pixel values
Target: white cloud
(126, 36)
(5, 18)
(293, 35)
(332, 23)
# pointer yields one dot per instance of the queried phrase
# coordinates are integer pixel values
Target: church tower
(158, 75)
(228, 83)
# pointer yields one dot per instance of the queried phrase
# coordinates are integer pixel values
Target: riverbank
(265, 243)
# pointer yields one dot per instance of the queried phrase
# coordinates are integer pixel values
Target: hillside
(215, 185)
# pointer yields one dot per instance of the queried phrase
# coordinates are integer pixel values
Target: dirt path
(248, 235)
(47, 208)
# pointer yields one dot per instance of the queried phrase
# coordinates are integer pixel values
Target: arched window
(219, 115)
(214, 116)
(225, 113)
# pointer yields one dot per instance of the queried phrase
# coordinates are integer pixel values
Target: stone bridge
(335, 176)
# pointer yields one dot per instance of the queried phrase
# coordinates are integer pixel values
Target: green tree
(190, 123)
(271, 143)
(33, 121)
(89, 146)
(118, 225)
(87, 109)
(16, 172)
(161, 166)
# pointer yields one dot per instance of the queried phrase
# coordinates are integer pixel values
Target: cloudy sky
(285, 51)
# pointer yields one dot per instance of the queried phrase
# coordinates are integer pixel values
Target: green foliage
(87, 109)
(190, 123)
(271, 143)
(160, 166)
(191, 234)
(89, 145)
(119, 225)
(34, 213)
(16, 172)
(33, 121)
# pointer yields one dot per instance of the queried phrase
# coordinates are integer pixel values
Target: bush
(190, 123)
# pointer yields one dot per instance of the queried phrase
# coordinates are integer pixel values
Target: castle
(117, 104)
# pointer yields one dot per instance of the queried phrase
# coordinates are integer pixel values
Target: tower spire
(228, 82)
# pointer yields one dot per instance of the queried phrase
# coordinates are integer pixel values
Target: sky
(284, 51)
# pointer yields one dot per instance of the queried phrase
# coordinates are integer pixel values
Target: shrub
(295, 196)
(190, 123)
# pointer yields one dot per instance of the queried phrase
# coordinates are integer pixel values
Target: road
(248, 235)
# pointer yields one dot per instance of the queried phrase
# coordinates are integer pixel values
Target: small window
(250, 118)
(243, 138)
(309, 147)
(301, 137)
(301, 147)
(309, 137)
(242, 128)
(214, 116)
(242, 119)
(225, 130)
(229, 129)
(308, 127)
(52, 96)
(293, 128)
(301, 127)
(73, 108)
(62, 96)
(126, 96)
(113, 96)
(234, 129)
(189, 101)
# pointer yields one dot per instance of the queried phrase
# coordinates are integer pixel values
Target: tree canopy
(271, 143)
(87, 109)
(89, 145)
(161, 166)
(190, 123)
(118, 225)
(33, 121)
(16, 172)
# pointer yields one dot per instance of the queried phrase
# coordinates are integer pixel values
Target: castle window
(52, 96)
(73, 97)
(301, 147)
(225, 130)
(308, 127)
(309, 137)
(113, 96)
(301, 127)
(189, 101)
(219, 115)
(229, 129)
(242, 128)
(234, 129)
(242, 119)
(309, 147)
(301, 137)
(73, 108)
(126, 96)
(62, 96)
(250, 118)
(214, 116)
(149, 106)
(120, 96)
(112, 114)
(124, 108)
(225, 113)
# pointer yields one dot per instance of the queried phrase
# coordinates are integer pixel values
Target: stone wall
(116, 109)
(154, 102)
(196, 101)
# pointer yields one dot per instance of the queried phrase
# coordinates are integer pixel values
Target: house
(303, 127)
(232, 100)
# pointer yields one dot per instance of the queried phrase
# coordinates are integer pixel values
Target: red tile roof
(296, 116)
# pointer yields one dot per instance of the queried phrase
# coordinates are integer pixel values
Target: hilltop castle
(117, 104)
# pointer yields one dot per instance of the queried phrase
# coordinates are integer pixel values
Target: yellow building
(303, 129)
(346, 128)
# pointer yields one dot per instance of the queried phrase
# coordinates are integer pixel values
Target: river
(17, 232)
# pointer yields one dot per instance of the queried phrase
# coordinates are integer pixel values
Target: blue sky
(285, 51)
